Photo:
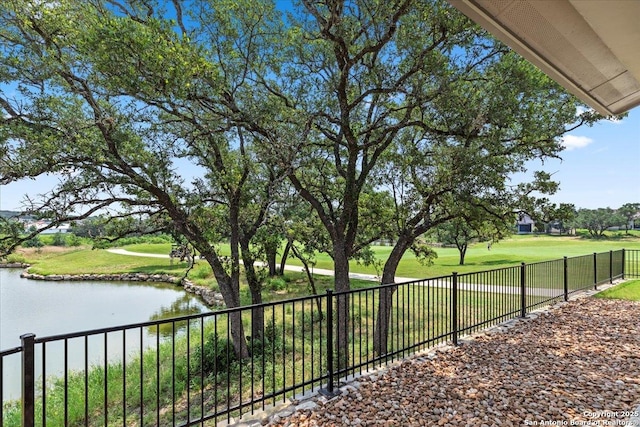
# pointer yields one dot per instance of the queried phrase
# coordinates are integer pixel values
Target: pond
(51, 308)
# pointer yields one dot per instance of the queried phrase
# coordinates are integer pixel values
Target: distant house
(525, 224)
(62, 228)
(40, 224)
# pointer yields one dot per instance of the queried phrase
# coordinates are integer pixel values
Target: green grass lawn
(165, 248)
(627, 290)
(98, 261)
(512, 251)
(509, 252)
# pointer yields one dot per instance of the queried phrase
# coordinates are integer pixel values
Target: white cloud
(615, 120)
(580, 109)
(570, 142)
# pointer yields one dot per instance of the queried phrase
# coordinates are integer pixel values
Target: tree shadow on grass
(498, 262)
(491, 262)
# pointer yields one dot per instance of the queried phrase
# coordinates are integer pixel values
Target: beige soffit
(591, 47)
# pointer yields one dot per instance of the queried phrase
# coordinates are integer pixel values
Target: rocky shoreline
(13, 265)
(124, 277)
(210, 297)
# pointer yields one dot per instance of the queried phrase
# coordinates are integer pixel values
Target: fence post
(610, 266)
(523, 298)
(595, 271)
(566, 279)
(329, 392)
(624, 260)
(454, 308)
(28, 380)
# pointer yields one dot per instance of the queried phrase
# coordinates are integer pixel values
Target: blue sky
(600, 168)
(600, 165)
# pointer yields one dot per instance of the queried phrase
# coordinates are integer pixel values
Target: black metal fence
(184, 371)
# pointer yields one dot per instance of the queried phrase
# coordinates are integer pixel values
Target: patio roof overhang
(591, 47)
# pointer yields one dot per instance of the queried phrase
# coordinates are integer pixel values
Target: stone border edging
(13, 265)
(110, 277)
(210, 297)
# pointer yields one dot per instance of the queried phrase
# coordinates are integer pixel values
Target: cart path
(297, 268)
(140, 254)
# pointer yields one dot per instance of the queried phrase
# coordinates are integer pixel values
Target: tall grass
(194, 372)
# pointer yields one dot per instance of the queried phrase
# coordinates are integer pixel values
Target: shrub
(216, 355)
(16, 258)
(73, 240)
(271, 341)
(201, 271)
(306, 322)
(34, 242)
(275, 284)
(59, 239)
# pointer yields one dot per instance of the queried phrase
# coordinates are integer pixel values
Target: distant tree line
(595, 221)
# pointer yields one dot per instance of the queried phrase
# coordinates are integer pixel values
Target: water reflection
(52, 308)
(183, 306)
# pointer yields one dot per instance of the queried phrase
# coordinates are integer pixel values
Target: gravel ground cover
(576, 364)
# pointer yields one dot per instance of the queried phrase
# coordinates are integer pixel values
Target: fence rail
(184, 372)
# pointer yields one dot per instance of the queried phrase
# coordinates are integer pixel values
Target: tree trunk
(312, 282)
(271, 251)
(285, 255)
(237, 328)
(257, 315)
(463, 252)
(231, 293)
(342, 284)
(255, 288)
(383, 318)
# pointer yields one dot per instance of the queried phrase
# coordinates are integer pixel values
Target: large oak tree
(118, 103)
